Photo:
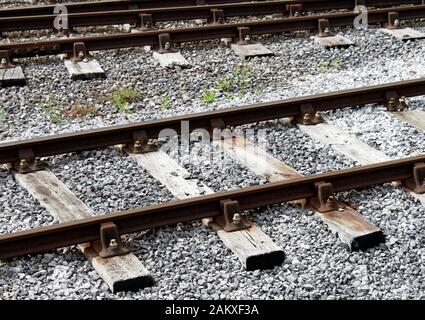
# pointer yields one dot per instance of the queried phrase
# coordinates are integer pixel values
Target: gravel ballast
(190, 261)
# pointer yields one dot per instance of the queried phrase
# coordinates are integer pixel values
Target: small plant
(243, 74)
(79, 111)
(239, 79)
(52, 109)
(123, 98)
(121, 104)
(257, 91)
(335, 63)
(208, 96)
(225, 84)
(3, 115)
(324, 66)
(165, 103)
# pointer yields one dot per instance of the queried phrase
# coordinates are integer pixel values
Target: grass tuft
(209, 96)
(123, 98)
(52, 109)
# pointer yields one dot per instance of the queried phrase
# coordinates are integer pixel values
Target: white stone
(171, 59)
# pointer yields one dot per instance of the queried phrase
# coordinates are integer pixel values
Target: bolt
(137, 146)
(306, 117)
(167, 45)
(113, 243)
(396, 22)
(236, 218)
(326, 30)
(391, 103)
(3, 61)
(23, 164)
(318, 115)
(331, 201)
(402, 103)
(80, 55)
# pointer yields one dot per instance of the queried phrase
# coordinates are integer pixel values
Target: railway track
(305, 110)
(225, 205)
(164, 39)
(100, 237)
(24, 157)
(103, 6)
(146, 18)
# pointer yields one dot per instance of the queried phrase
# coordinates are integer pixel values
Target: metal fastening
(165, 43)
(324, 28)
(5, 60)
(417, 182)
(402, 103)
(23, 166)
(80, 52)
(393, 21)
(244, 36)
(308, 116)
(318, 117)
(232, 220)
(146, 22)
(28, 162)
(294, 9)
(141, 143)
(394, 102)
(325, 200)
(110, 241)
(217, 16)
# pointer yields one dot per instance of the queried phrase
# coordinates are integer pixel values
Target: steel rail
(96, 6)
(133, 16)
(124, 134)
(210, 32)
(115, 17)
(87, 230)
(86, 7)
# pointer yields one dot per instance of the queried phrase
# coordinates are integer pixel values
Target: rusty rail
(114, 5)
(238, 31)
(14, 152)
(87, 230)
(147, 17)
(86, 7)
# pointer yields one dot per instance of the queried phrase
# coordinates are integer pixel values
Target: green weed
(123, 99)
(209, 96)
(52, 109)
(165, 103)
(3, 115)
